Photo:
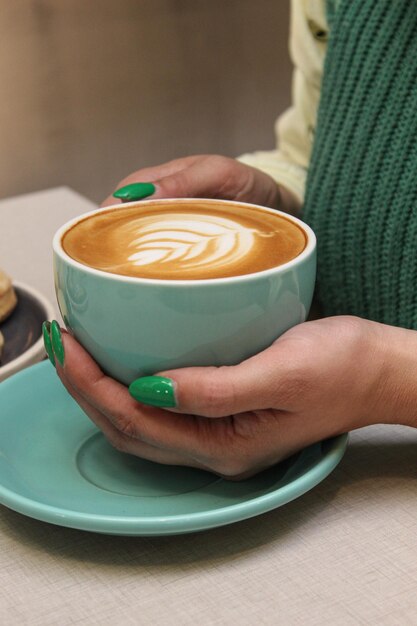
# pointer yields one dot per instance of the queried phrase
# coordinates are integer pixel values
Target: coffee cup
(162, 284)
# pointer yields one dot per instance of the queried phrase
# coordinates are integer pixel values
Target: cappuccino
(136, 327)
(184, 240)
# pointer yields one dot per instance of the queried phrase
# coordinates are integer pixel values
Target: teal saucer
(55, 466)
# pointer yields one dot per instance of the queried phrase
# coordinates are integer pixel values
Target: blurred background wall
(94, 89)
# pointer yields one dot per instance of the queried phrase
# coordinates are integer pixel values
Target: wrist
(397, 348)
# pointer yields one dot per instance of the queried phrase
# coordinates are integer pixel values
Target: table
(345, 553)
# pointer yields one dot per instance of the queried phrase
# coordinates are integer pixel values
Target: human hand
(206, 176)
(319, 379)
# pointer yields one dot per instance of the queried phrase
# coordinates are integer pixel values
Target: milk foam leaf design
(184, 240)
(192, 241)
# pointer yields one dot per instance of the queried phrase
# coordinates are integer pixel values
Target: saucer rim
(174, 524)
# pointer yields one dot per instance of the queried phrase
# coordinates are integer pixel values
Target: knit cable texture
(361, 196)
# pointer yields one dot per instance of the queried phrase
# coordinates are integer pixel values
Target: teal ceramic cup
(135, 326)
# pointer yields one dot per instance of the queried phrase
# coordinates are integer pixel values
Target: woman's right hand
(211, 176)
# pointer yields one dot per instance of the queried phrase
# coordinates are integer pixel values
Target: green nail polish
(46, 329)
(57, 344)
(135, 191)
(154, 390)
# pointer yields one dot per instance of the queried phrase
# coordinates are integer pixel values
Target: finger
(217, 462)
(152, 174)
(202, 176)
(122, 442)
(224, 446)
(185, 435)
(257, 383)
(209, 176)
(156, 172)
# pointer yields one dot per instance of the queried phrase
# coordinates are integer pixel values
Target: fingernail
(154, 390)
(57, 344)
(135, 191)
(46, 329)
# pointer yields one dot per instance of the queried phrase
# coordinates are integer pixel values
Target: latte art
(192, 240)
(186, 241)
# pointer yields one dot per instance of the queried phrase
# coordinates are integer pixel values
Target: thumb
(206, 177)
(256, 383)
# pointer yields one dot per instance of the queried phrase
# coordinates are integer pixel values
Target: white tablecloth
(345, 553)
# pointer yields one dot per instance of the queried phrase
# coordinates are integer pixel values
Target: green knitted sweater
(361, 196)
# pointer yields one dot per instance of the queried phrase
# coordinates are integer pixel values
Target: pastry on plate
(8, 298)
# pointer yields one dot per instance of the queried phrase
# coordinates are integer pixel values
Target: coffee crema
(184, 241)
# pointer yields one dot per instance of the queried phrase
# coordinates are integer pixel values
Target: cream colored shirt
(295, 128)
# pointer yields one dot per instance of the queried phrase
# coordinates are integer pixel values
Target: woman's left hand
(319, 379)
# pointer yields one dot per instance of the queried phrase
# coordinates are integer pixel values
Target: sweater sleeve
(294, 129)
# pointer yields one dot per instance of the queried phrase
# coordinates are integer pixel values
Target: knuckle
(128, 429)
(126, 426)
(222, 162)
(229, 454)
(117, 441)
(175, 186)
(233, 461)
(345, 324)
(215, 394)
(227, 167)
(354, 328)
(232, 468)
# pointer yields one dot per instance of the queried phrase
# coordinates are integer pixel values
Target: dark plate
(23, 328)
